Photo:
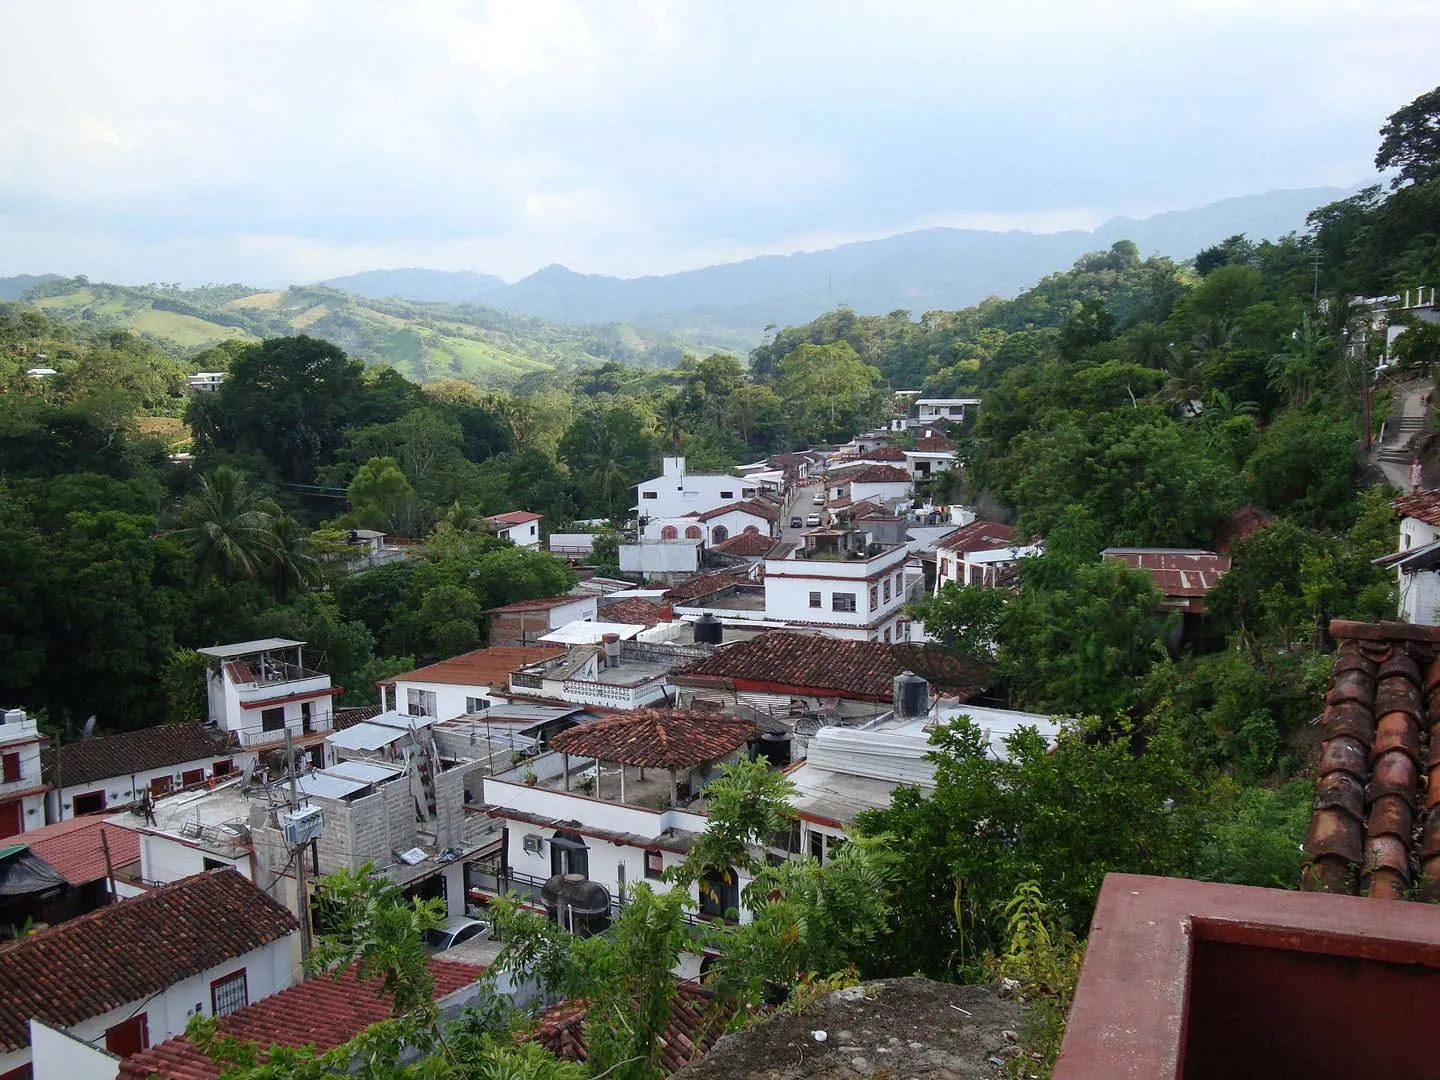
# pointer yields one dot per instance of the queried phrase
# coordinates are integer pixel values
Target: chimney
(610, 649)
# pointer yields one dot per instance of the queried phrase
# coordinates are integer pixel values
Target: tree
(226, 526)
(747, 805)
(1307, 464)
(1410, 141)
(964, 617)
(380, 495)
(827, 391)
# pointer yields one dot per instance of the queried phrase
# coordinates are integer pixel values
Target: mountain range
(939, 268)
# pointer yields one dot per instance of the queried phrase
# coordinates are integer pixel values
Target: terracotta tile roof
(871, 474)
(545, 603)
(1424, 505)
(128, 951)
(347, 718)
(749, 544)
(868, 508)
(635, 610)
(880, 453)
(754, 507)
(1180, 575)
(934, 444)
(513, 517)
(691, 1030)
(1242, 523)
(862, 670)
(73, 847)
(89, 760)
(323, 1012)
(656, 738)
(1375, 828)
(979, 535)
(707, 583)
(479, 667)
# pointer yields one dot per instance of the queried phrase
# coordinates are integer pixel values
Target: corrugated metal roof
(364, 771)
(245, 648)
(325, 785)
(366, 736)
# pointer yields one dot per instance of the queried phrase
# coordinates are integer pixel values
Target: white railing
(320, 722)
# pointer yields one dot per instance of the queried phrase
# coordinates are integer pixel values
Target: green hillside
(426, 342)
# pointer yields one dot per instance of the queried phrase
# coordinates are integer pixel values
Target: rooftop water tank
(709, 630)
(577, 904)
(912, 696)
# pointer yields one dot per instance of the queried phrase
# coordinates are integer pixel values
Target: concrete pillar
(674, 792)
(622, 781)
(565, 762)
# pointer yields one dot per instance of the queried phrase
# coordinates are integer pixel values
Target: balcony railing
(320, 722)
(526, 681)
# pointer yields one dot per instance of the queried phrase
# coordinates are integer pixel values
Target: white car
(813, 520)
(818, 500)
(455, 931)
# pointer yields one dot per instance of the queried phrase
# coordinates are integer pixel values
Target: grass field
(184, 330)
(258, 300)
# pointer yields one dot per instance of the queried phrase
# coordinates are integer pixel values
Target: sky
(286, 141)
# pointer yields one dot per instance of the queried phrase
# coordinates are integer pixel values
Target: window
(161, 785)
(654, 863)
(191, 777)
(753, 529)
(12, 768)
(692, 532)
(213, 864)
(748, 493)
(476, 704)
(887, 635)
(532, 530)
(719, 534)
(887, 590)
(92, 802)
(719, 897)
(128, 1037)
(568, 854)
(668, 533)
(229, 994)
(874, 596)
(420, 702)
(272, 719)
(727, 494)
(842, 601)
(305, 716)
(815, 599)
(899, 583)
(223, 767)
(649, 495)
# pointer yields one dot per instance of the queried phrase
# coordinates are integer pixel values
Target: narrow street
(1393, 455)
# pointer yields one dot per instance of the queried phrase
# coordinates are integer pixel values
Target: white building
(751, 516)
(204, 382)
(464, 685)
(259, 690)
(951, 410)
(978, 553)
(886, 484)
(134, 973)
(676, 493)
(22, 788)
(664, 560)
(520, 527)
(611, 673)
(842, 585)
(1417, 562)
(92, 775)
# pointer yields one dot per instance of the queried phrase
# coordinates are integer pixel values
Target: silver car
(455, 930)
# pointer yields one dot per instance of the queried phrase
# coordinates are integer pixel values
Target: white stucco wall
(789, 583)
(58, 1055)
(120, 790)
(681, 556)
(449, 697)
(164, 859)
(734, 522)
(1419, 592)
(677, 493)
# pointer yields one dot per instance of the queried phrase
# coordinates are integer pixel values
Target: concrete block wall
(450, 805)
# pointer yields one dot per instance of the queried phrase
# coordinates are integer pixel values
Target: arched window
(719, 534)
(669, 533)
(752, 529)
(692, 532)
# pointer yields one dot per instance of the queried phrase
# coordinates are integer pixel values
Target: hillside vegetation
(425, 342)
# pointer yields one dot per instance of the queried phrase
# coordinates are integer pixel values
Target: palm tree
(1182, 379)
(671, 415)
(1296, 371)
(226, 526)
(604, 466)
(289, 565)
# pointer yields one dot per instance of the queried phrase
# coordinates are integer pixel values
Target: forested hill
(928, 269)
(425, 342)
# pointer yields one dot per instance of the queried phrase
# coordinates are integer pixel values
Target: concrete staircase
(1399, 432)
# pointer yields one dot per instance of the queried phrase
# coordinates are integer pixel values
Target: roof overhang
(265, 703)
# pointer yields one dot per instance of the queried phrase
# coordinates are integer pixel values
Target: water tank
(775, 747)
(577, 904)
(709, 630)
(912, 695)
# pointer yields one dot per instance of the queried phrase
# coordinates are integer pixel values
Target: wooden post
(674, 791)
(109, 868)
(565, 761)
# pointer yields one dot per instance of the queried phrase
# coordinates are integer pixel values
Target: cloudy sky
(278, 141)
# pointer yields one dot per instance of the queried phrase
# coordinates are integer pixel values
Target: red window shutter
(12, 768)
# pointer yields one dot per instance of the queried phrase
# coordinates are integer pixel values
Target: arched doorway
(669, 533)
(719, 534)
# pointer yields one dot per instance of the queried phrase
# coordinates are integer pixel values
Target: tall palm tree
(671, 415)
(289, 565)
(1296, 371)
(226, 526)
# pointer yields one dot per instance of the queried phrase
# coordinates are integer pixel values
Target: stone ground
(891, 1029)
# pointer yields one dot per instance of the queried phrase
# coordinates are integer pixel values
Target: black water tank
(709, 630)
(775, 746)
(912, 695)
(577, 904)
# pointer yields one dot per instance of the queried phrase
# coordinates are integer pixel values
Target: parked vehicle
(818, 500)
(455, 931)
(813, 520)
(796, 522)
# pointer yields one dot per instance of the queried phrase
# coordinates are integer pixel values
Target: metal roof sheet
(364, 771)
(245, 648)
(366, 736)
(324, 785)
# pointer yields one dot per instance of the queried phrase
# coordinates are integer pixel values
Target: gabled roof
(358, 714)
(746, 544)
(128, 951)
(860, 670)
(870, 474)
(707, 583)
(979, 535)
(635, 610)
(75, 849)
(880, 453)
(513, 517)
(687, 1035)
(89, 760)
(754, 507)
(934, 444)
(1422, 505)
(656, 738)
(322, 1012)
(1179, 573)
(545, 603)
(479, 667)
(1375, 827)
(1244, 522)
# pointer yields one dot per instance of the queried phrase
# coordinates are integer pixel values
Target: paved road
(799, 506)
(1414, 413)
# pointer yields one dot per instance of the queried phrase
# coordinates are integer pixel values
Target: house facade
(877, 483)
(957, 554)
(1416, 560)
(750, 516)
(464, 685)
(520, 527)
(22, 787)
(949, 410)
(840, 585)
(676, 493)
(527, 621)
(258, 691)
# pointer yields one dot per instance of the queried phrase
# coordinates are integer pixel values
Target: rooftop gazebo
(668, 739)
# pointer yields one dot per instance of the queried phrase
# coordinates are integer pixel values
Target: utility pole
(302, 890)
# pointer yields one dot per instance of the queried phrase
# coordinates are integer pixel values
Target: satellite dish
(249, 773)
(88, 731)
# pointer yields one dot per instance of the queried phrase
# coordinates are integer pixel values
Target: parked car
(455, 931)
(817, 500)
(796, 522)
(813, 520)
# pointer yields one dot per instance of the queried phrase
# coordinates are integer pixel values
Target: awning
(1421, 558)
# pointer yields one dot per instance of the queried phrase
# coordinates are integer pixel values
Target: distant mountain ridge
(939, 268)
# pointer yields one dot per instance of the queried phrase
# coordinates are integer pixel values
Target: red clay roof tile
(88, 760)
(479, 667)
(74, 847)
(656, 738)
(746, 544)
(1422, 505)
(691, 1030)
(634, 610)
(979, 535)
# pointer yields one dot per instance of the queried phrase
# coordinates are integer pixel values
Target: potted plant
(530, 777)
(587, 785)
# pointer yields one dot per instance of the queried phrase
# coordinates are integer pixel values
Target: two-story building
(956, 554)
(22, 787)
(463, 685)
(520, 527)
(928, 457)
(527, 621)
(885, 484)
(134, 973)
(841, 584)
(676, 493)
(257, 691)
(1416, 561)
(930, 411)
